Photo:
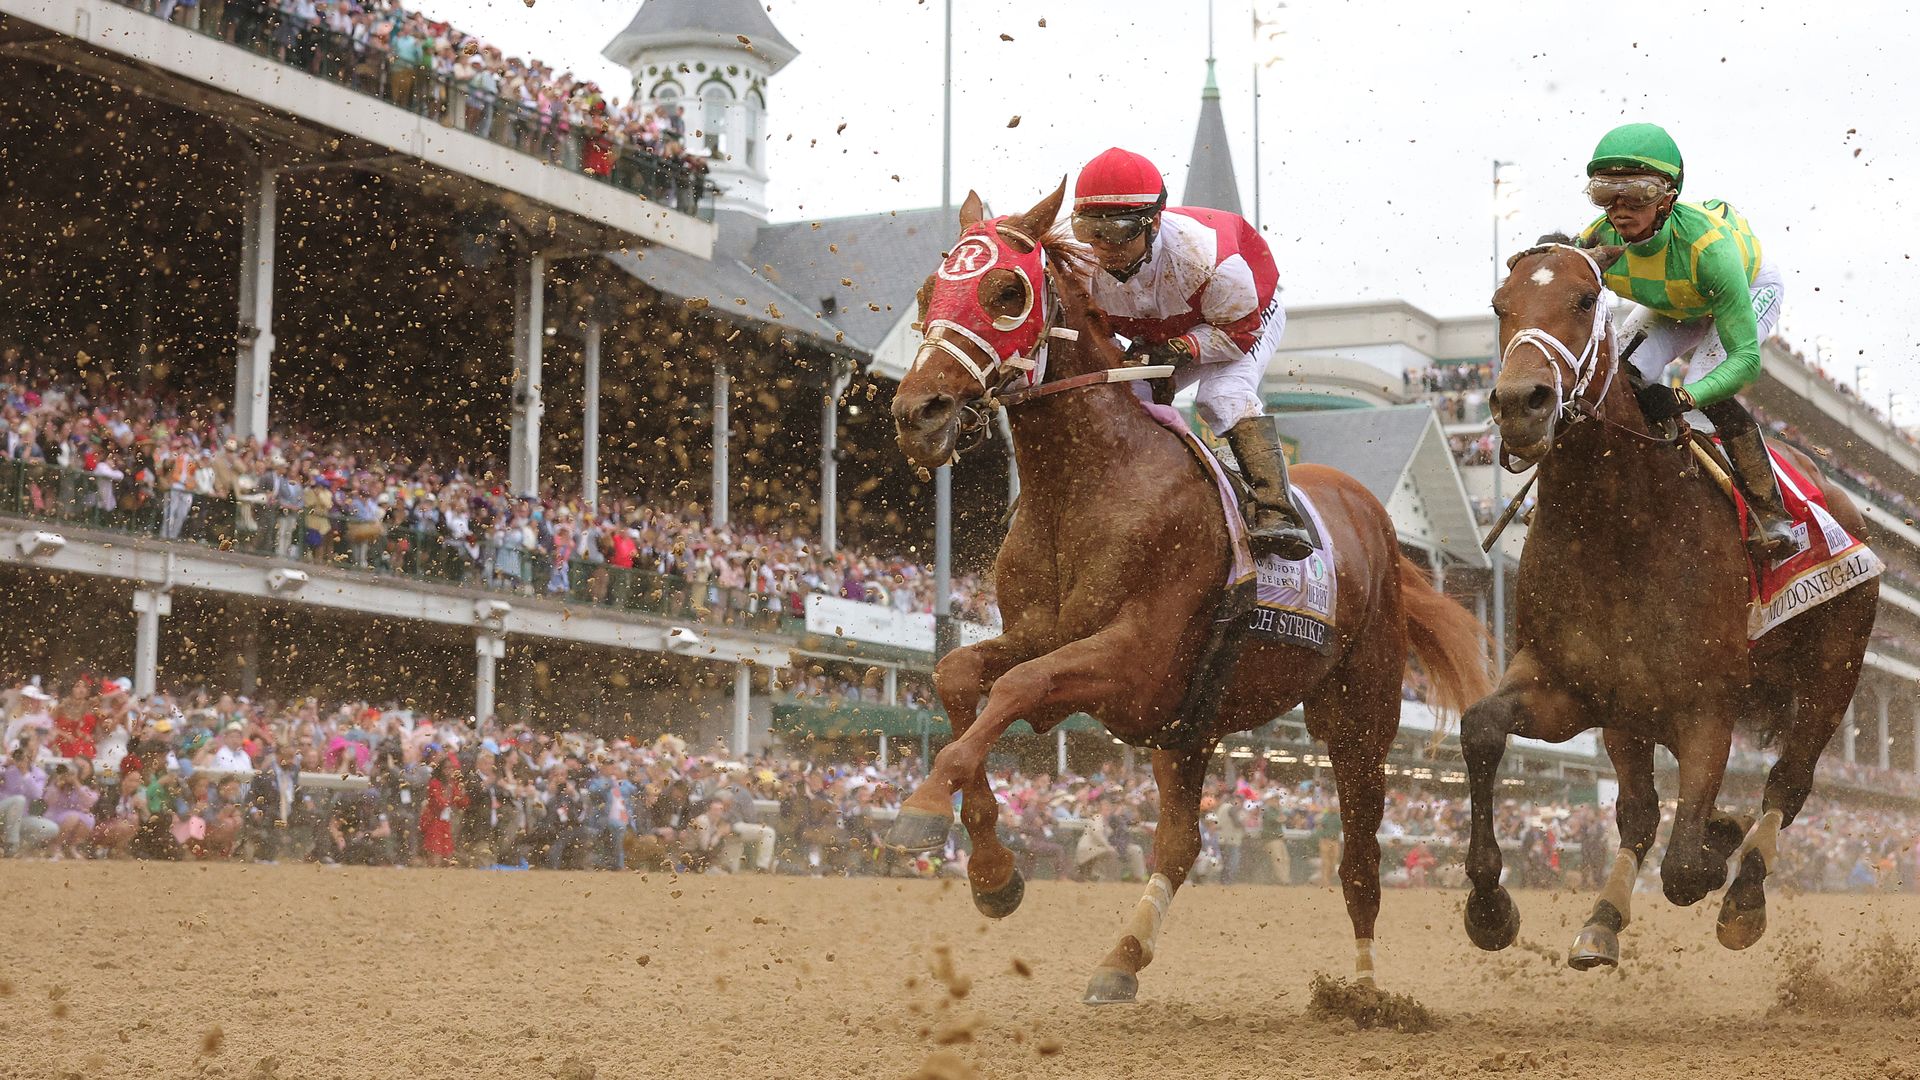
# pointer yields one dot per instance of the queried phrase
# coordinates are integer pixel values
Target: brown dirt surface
(146, 970)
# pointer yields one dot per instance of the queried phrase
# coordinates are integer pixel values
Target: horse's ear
(1606, 255)
(922, 299)
(972, 211)
(1516, 257)
(1038, 220)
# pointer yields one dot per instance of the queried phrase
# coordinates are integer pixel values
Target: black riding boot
(1276, 527)
(1770, 538)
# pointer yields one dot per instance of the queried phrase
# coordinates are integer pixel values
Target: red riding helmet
(1117, 181)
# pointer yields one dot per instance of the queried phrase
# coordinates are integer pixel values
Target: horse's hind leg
(1743, 910)
(1637, 814)
(1176, 841)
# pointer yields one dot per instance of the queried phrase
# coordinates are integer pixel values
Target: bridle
(1582, 367)
(1021, 378)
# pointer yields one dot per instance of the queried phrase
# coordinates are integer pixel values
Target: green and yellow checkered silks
(1702, 249)
(1700, 263)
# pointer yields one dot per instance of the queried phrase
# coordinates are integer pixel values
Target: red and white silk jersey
(1210, 278)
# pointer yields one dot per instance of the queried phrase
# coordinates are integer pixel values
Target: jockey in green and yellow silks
(1697, 273)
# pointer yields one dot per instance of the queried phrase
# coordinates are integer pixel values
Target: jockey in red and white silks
(1196, 288)
(1210, 281)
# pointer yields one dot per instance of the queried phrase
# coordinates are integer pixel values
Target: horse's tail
(1451, 644)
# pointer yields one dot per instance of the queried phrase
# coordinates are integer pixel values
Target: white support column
(253, 368)
(883, 750)
(488, 649)
(1883, 746)
(1439, 560)
(149, 607)
(742, 707)
(891, 685)
(722, 389)
(1849, 734)
(1060, 751)
(590, 418)
(1916, 737)
(830, 469)
(529, 343)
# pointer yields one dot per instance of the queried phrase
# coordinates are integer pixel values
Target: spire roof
(669, 23)
(1210, 178)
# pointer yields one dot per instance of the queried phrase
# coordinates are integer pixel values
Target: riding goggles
(1633, 192)
(1112, 229)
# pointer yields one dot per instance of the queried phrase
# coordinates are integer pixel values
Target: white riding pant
(1669, 340)
(1229, 391)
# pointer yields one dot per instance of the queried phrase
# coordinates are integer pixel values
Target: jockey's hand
(1148, 354)
(1662, 402)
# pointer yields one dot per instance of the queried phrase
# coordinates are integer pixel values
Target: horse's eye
(1587, 302)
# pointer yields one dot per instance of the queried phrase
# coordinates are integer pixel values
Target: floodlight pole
(1499, 553)
(943, 629)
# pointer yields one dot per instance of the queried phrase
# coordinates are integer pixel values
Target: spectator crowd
(120, 459)
(93, 772)
(430, 67)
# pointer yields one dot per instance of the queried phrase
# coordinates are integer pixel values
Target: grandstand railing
(260, 27)
(49, 493)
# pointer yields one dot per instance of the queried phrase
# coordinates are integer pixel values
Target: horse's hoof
(917, 830)
(1111, 986)
(1685, 887)
(1743, 911)
(1594, 946)
(1492, 920)
(1004, 900)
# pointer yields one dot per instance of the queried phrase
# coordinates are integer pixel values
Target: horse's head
(984, 313)
(1553, 328)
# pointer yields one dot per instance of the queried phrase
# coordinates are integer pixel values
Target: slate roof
(885, 255)
(1371, 445)
(724, 283)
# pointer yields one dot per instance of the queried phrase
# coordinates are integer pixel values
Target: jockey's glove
(1662, 402)
(1147, 354)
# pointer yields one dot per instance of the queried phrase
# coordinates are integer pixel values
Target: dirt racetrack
(139, 969)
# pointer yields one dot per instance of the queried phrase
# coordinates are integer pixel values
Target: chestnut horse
(1111, 573)
(1632, 617)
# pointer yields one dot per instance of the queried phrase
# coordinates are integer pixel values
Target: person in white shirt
(232, 755)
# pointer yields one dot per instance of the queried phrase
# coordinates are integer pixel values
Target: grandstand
(291, 263)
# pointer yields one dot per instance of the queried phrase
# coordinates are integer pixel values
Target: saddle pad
(1293, 601)
(1828, 563)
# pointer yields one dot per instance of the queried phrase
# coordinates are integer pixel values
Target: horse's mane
(1066, 253)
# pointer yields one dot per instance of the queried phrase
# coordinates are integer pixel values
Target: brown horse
(1111, 571)
(1632, 617)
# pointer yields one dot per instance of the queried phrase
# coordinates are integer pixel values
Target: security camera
(38, 545)
(682, 638)
(286, 579)
(491, 611)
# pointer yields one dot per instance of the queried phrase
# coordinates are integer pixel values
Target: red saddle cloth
(1829, 561)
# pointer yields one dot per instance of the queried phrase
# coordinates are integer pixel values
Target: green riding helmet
(1639, 146)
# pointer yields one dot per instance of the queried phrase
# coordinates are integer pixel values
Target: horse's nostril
(1538, 400)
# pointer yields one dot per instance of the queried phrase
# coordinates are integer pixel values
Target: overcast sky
(1378, 127)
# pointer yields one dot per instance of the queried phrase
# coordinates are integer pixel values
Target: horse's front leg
(1525, 703)
(1081, 674)
(1176, 842)
(961, 679)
